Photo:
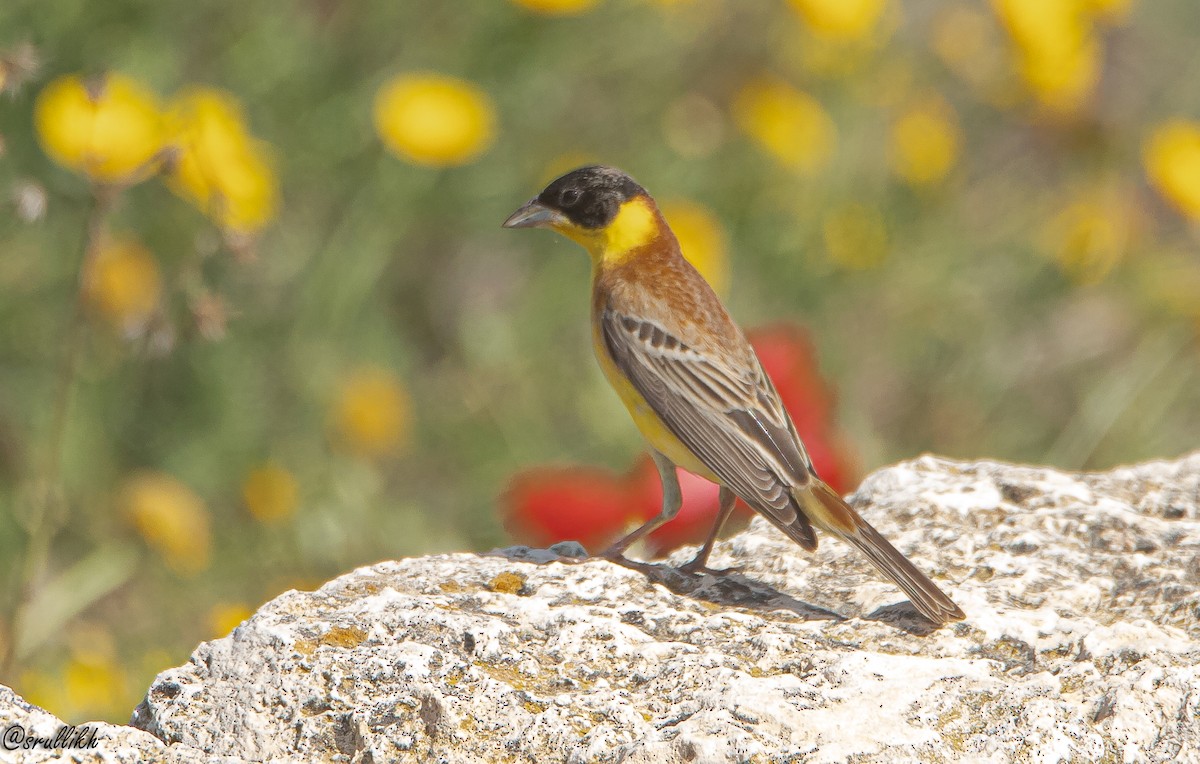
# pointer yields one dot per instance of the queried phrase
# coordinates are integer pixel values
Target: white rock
(21, 721)
(1082, 595)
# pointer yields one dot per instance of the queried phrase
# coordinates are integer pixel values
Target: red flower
(545, 505)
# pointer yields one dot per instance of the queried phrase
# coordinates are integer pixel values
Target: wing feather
(731, 418)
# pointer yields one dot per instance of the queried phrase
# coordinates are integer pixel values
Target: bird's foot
(615, 553)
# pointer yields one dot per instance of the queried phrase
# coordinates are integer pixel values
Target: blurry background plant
(258, 323)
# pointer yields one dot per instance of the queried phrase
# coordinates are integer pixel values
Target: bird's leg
(672, 501)
(699, 563)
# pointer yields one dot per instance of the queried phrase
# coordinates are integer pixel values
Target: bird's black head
(589, 197)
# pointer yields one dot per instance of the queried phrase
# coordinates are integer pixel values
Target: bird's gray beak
(534, 215)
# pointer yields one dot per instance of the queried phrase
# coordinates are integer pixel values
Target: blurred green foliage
(1040, 302)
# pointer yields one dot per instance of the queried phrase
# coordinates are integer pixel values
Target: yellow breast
(652, 428)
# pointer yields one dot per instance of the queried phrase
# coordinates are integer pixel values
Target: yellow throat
(635, 225)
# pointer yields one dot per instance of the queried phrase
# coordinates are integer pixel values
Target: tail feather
(837, 517)
(924, 594)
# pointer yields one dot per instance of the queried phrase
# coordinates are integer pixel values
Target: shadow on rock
(904, 616)
(731, 590)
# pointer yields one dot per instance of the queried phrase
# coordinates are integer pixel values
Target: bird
(693, 384)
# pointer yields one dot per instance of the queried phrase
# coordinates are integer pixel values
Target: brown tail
(836, 516)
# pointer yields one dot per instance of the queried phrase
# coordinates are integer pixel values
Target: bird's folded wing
(730, 417)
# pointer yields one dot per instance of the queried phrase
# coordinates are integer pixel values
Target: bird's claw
(570, 552)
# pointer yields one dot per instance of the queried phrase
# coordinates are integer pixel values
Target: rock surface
(21, 721)
(1083, 602)
(1081, 643)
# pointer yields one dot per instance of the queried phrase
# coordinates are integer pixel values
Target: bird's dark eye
(568, 197)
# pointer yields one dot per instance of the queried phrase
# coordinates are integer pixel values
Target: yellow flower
(855, 236)
(171, 518)
(701, 239)
(557, 7)
(788, 124)
(842, 19)
(371, 414)
(123, 284)
(1171, 156)
(1058, 55)
(224, 617)
(91, 684)
(221, 168)
(1040, 23)
(434, 120)
(1064, 77)
(1088, 238)
(43, 690)
(270, 493)
(108, 128)
(925, 142)
(94, 686)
